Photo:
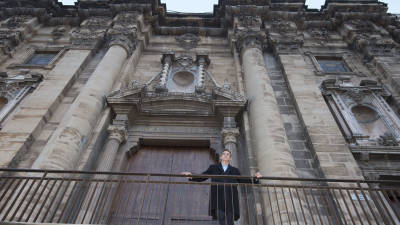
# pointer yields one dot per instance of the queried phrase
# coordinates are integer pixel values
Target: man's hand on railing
(258, 175)
(187, 174)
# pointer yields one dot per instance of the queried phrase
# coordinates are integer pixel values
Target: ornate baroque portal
(182, 105)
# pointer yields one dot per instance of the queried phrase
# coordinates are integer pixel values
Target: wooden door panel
(142, 202)
(191, 201)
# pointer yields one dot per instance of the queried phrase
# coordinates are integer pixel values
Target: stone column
(70, 139)
(267, 131)
(65, 146)
(116, 136)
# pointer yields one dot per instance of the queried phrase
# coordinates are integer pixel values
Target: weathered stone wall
(290, 79)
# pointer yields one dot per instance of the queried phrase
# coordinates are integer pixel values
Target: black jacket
(224, 196)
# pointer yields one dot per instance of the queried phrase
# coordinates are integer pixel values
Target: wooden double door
(157, 200)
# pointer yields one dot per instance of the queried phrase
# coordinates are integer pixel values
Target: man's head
(226, 155)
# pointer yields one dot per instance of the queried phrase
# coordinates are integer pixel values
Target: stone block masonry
(324, 135)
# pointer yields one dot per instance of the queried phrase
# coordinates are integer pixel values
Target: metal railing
(83, 197)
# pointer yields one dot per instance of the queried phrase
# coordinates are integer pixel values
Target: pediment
(147, 102)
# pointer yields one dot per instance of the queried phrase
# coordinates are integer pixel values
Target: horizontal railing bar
(195, 175)
(198, 183)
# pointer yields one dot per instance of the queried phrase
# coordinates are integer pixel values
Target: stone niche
(362, 112)
(182, 74)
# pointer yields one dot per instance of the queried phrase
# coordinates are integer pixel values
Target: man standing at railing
(224, 202)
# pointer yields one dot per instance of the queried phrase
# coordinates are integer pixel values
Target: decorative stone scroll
(362, 112)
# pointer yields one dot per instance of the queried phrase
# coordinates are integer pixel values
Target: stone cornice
(216, 24)
(138, 98)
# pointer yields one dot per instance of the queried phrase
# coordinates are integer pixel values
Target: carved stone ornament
(16, 21)
(187, 41)
(284, 37)
(15, 88)
(284, 27)
(11, 33)
(343, 98)
(319, 33)
(24, 78)
(249, 40)
(124, 31)
(387, 139)
(150, 102)
(355, 94)
(247, 23)
(117, 132)
(58, 32)
(185, 61)
(360, 25)
(230, 135)
(91, 32)
(366, 37)
(248, 32)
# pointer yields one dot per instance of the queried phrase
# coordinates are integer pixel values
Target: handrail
(93, 197)
(194, 175)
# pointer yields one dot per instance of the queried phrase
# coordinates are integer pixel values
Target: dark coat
(224, 196)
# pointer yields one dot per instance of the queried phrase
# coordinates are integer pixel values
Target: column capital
(248, 32)
(230, 135)
(124, 31)
(117, 132)
(249, 40)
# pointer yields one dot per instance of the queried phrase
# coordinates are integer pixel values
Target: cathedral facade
(125, 86)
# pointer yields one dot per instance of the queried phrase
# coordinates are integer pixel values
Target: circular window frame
(186, 78)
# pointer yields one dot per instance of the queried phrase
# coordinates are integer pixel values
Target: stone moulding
(171, 103)
(15, 88)
(342, 96)
(345, 56)
(60, 51)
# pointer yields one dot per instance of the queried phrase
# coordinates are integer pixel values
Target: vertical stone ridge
(306, 167)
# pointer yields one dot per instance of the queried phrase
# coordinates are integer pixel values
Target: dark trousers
(224, 218)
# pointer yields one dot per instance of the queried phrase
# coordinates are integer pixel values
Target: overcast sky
(207, 5)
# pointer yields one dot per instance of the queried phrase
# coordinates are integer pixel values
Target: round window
(183, 78)
(364, 114)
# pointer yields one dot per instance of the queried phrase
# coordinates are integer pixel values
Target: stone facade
(292, 92)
